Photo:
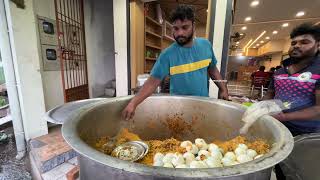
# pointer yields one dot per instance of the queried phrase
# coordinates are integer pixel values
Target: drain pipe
(8, 52)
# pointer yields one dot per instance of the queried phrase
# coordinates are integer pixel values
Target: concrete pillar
(121, 43)
(52, 80)
(26, 57)
(219, 32)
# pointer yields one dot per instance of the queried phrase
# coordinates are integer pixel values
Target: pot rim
(279, 151)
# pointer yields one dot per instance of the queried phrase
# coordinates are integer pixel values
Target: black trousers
(279, 172)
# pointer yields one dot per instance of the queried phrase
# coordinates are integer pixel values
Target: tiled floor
(59, 172)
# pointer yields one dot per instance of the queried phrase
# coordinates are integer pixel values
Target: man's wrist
(223, 89)
(132, 103)
(285, 116)
(282, 116)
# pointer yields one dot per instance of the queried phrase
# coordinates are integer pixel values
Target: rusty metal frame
(72, 49)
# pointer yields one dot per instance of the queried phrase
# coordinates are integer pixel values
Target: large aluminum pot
(211, 119)
(302, 163)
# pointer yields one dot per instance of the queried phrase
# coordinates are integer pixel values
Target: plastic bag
(259, 109)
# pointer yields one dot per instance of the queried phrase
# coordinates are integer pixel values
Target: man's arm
(222, 85)
(252, 76)
(269, 95)
(147, 89)
(159, 71)
(305, 114)
(271, 91)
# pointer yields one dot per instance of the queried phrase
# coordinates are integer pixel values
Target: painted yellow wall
(275, 49)
(275, 46)
(272, 47)
(201, 30)
(252, 52)
(137, 43)
(287, 45)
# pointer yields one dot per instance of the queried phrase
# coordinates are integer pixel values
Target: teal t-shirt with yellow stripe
(187, 67)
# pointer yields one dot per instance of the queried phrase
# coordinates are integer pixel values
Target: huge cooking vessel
(211, 119)
(303, 162)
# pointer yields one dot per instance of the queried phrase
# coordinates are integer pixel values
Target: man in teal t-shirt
(187, 67)
(189, 62)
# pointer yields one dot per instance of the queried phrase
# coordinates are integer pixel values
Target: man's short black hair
(278, 67)
(306, 28)
(262, 68)
(183, 12)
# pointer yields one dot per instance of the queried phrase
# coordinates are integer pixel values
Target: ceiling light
(261, 42)
(207, 10)
(244, 48)
(267, 37)
(244, 28)
(241, 34)
(275, 32)
(285, 25)
(257, 38)
(300, 14)
(254, 47)
(238, 42)
(254, 3)
(248, 19)
(258, 45)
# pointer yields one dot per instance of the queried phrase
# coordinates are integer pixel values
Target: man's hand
(281, 117)
(147, 89)
(129, 111)
(216, 76)
(223, 95)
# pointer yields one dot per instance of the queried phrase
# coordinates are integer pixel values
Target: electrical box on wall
(49, 44)
(50, 58)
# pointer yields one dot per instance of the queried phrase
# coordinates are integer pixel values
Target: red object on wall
(72, 49)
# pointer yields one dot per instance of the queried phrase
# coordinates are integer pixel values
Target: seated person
(260, 77)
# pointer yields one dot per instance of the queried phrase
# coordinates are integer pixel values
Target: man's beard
(303, 55)
(296, 60)
(185, 40)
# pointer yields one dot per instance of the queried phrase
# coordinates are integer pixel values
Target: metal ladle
(131, 151)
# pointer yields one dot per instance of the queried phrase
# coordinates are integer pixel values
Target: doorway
(72, 49)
